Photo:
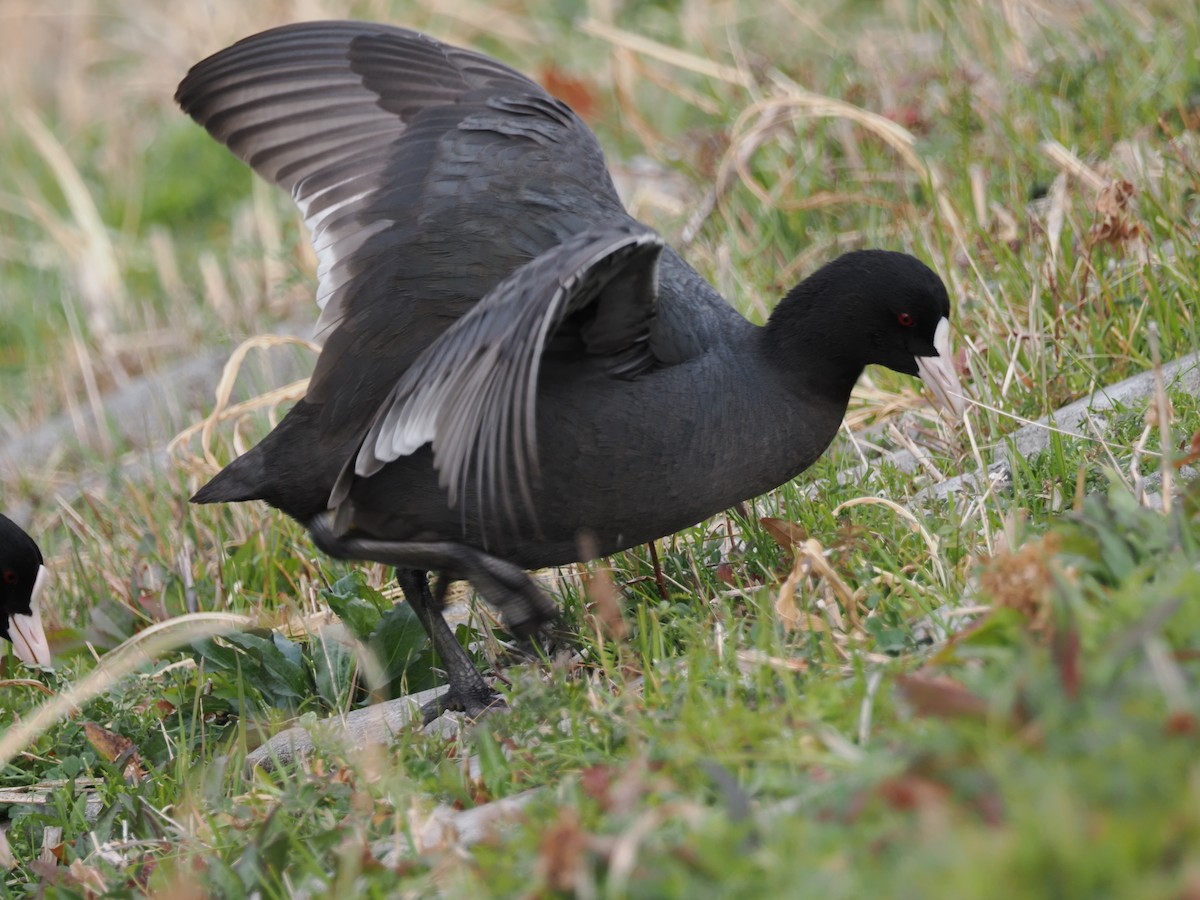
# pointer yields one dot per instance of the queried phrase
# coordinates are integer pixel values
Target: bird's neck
(806, 343)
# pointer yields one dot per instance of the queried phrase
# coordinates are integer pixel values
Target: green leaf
(359, 606)
(267, 662)
(333, 669)
(403, 650)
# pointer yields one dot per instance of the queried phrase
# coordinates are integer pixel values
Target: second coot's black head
(23, 575)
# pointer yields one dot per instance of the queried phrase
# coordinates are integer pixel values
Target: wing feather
(356, 120)
(472, 393)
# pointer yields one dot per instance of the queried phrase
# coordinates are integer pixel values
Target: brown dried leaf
(941, 697)
(814, 555)
(87, 877)
(787, 535)
(161, 707)
(80, 879)
(910, 116)
(152, 606)
(1116, 218)
(990, 806)
(633, 783)
(791, 617)
(48, 874)
(115, 748)
(1022, 580)
(109, 744)
(605, 603)
(785, 603)
(561, 852)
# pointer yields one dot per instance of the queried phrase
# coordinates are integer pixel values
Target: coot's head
(23, 575)
(877, 307)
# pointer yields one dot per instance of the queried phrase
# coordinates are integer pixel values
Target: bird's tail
(242, 479)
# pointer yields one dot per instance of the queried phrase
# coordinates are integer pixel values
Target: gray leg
(468, 691)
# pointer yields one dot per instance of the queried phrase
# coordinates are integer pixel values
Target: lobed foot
(475, 704)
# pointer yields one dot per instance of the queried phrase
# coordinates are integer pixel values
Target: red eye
(10, 577)
(905, 319)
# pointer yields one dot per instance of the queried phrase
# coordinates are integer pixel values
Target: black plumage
(23, 576)
(513, 368)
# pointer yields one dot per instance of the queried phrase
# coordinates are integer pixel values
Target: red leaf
(596, 782)
(725, 574)
(1193, 452)
(572, 91)
(912, 792)
(910, 116)
(941, 697)
(1065, 650)
(1180, 724)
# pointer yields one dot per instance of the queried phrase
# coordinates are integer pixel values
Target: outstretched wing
(375, 130)
(471, 393)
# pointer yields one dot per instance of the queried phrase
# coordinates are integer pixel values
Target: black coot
(515, 373)
(23, 575)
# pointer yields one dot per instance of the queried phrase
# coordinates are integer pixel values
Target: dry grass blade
(1053, 429)
(681, 59)
(909, 126)
(1162, 407)
(623, 858)
(748, 660)
(810, 560)
(97, 270)
(25, 682)
(760, 120)
(790, 615)
(42, 793)
(222, 410)
(605, 602)
(1072, 165)
(814, 553)
(930, 541)
(114, 666)
(792, 101)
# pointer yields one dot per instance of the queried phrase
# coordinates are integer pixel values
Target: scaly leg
(468, 691)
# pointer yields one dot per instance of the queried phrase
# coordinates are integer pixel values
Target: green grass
(1011, 706)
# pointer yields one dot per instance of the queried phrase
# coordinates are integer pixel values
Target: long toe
(474, 704)
(546, 642)
(529, 611)
(523, 606)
